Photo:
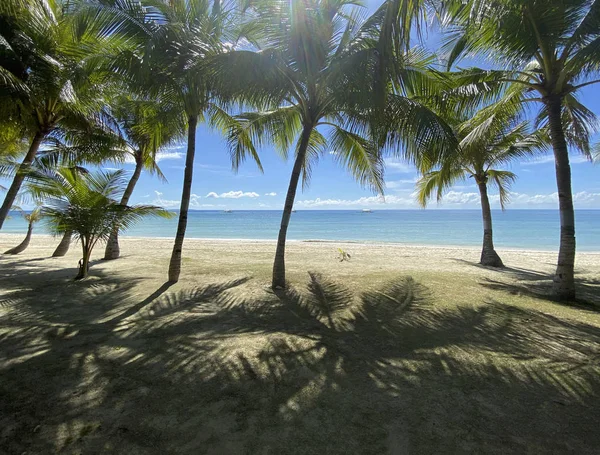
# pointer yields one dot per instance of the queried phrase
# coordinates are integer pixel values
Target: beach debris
(343, 255)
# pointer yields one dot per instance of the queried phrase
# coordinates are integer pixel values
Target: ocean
(523, 229)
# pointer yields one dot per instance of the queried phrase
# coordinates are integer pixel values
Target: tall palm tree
(33, 217)
(47, 83)
(550, 50)
(175, 41)
(313, 83)
(86, 204)
(147, 126)
(489, 140)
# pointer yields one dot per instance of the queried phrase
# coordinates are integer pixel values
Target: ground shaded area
(381, 363)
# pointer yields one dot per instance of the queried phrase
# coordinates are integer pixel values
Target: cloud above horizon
(455, 199)
(233, 195)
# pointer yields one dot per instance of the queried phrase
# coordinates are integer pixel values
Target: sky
(217, 187)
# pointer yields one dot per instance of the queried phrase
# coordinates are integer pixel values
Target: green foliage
(86, 204)
(317, 73)
(542, 51)
(493, 137)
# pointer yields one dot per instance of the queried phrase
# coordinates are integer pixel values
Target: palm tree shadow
(588, 291)
(538, 285)
(229, 369)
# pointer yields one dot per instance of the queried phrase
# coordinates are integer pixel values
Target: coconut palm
(488, 141)
(175, 41)
(550, 50)
(86, 204)
(313, 83)
(47, 84)
(147, 126)
(33, 217)
(63, 247)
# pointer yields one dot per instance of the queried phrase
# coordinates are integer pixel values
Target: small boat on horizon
(367, 211)
(228, 211)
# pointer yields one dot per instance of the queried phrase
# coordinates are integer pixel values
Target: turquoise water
(529, 229)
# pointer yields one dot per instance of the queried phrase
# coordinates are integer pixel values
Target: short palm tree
(489, 140)
(549, 50)
(86, 204)
(313, 84)
(47, 84)
(148, 126)
(33, 217)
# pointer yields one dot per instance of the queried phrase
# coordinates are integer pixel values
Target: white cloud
(162, 156)
(363, 201)
(174, 152)
(457, 199)
(195, 202)
(400, 183)
(395, 166)
(546, 159)
(233, 195)
(461, 198)
(271, 194)
(166, 203)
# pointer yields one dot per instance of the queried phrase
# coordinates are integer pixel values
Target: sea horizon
(521, 229)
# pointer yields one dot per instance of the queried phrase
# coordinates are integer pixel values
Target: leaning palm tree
(550, 51)
(313, 84)
(33, 217)
(148, 126)
(47, 83)
(86, 204)
(489, 140)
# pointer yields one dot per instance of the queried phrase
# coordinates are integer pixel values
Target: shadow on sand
(230, 368)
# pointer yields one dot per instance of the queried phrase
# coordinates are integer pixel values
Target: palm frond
(502, 180)
(361, 157)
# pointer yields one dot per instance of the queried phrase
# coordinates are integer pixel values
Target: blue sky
(216, 187)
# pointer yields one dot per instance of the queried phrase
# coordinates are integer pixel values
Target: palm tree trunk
(564, 278)
(175, 264)
(15, 186)
(279, 264)
(64, 245)
(489, 256)
(84, 262)
(24, 244)
(112, 250)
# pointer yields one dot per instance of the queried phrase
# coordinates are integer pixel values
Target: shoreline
(359, 243)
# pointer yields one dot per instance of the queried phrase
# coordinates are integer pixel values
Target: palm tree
(86, 205)
(47, 83)
(550, 50)
(489, 140)
(63, 247)
(31, 219)
(175, 41)
(313, 84)
(147, 126)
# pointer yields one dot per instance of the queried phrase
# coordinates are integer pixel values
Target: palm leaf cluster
(86, 204)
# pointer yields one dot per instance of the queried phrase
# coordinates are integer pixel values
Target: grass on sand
(400, 350)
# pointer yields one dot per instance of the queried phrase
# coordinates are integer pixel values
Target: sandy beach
(401, 349)
(147, 260)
